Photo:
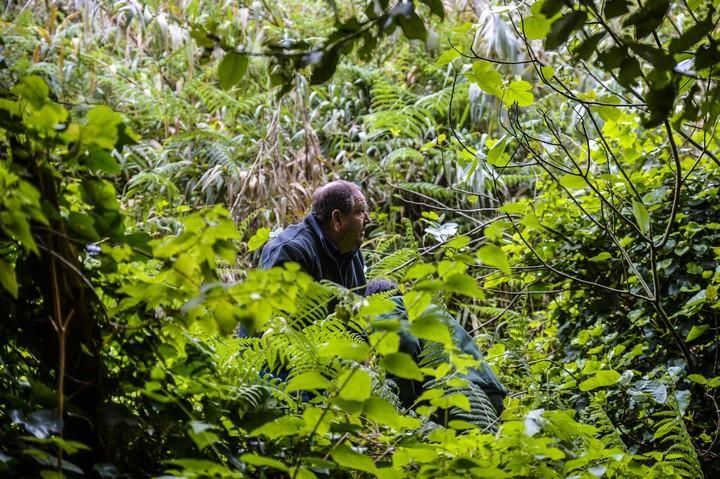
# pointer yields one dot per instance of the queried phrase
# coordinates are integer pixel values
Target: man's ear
(336, 218)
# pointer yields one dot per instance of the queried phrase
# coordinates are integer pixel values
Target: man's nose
(366, 219)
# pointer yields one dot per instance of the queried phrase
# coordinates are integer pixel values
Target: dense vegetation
(546, 173)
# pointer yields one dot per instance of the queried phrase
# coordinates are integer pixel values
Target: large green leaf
(355, 385)
(493, 255)
(484, 74)
(518, 91)
(401, 365)
(600, 379)
(231, 69)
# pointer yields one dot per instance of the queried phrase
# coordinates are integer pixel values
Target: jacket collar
(328, 245)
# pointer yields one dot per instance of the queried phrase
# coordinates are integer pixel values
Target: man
(326, 243)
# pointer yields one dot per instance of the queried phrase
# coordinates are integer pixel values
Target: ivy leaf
(308, 381)
(519, 91)
(231, 69)
(492, 255)
(7, 278)
(641, 216)
(402, 365)
(487, 78)
(600, 379)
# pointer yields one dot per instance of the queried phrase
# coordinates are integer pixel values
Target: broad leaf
(231, 69)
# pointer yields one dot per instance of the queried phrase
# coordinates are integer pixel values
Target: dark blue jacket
(306, 244)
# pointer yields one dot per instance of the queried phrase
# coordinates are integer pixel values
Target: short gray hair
(336, 195)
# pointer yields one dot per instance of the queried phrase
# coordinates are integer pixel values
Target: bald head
(340, 208)
(337, 195)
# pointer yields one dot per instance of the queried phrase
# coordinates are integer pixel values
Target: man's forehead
(359, 200)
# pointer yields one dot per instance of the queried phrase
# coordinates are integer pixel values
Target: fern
(395, 265)
(672, 433)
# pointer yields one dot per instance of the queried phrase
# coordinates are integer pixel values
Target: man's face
(352, 225)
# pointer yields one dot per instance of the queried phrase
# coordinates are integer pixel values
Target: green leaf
(97, 159)
(436, 7)
(7, 278)
(548, 72)
(518, 91)
(401, 365)
(33, 89)
(600, 379)
(257, 460)
(492, 255)
(431, 326)
(585, 49)
(691, 36)
(573, 182)
(615, 8)
(600, 257)
(446, 57)
(415, 303)
(386, 342)
(536, 27)
(641, 216)
(325, 67)
(101, 128)
(409, 21)
(420, 270)
(462, 283)
(346, 457)
(562, 28)
(258, 239)
(647, 18)
(344, 348)
(231, 69)
(201, 434)
(487, 78)
(697, 378)
(280, 427)
(308, 381)
(696, 331)
(355, 385)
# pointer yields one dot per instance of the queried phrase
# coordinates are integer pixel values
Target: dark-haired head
(340, 209)
(337, 195)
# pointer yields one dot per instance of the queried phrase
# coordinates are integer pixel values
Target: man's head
(340, 209)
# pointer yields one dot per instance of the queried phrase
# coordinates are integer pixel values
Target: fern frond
(395, 265)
